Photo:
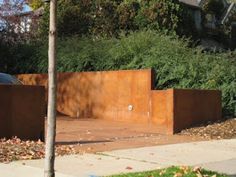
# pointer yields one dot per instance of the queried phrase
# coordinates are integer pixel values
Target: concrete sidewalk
(213, 155)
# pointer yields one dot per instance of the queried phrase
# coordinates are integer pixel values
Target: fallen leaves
(162, 172)
(128, 168)
(178, 174)
(219, 130)
(185, 169)
(16, 149)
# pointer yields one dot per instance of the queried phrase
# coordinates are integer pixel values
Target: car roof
(9, 79)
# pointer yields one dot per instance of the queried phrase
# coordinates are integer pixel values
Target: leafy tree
(74, 17)
(35, 4)
(110, 17)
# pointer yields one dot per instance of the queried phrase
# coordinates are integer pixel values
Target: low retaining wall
(22, 111)
(176, 109)
(129, 96)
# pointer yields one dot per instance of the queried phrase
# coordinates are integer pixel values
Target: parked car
(9, 79)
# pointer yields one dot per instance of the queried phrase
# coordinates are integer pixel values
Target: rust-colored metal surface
(116, 95)
(129, 96)
(176, 109)
(97, 135)
(163, 109)
(22, 111)
(192, 107)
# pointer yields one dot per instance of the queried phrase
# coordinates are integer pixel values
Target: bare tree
(52, 89)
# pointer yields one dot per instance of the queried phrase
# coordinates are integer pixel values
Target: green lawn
(174, 172)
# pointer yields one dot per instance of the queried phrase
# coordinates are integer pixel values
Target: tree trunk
(52, 89)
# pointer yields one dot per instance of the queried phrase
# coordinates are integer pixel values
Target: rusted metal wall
(176, 109)
(193, 107)
(162, 110)
(22, 111)
(129, 96)
(116, 95)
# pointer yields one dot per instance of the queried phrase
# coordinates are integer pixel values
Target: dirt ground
(93, 135)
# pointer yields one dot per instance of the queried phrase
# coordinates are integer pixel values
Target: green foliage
(162, 14)
(18, 58)
(127, 13)
(73, 17)
(176, 65)
(110, 17)
(105, 18)
(35, 4)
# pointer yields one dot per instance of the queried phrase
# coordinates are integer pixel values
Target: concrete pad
(181, 154)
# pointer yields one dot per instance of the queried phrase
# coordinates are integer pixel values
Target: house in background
(212, 19)
(28, 21)
(20, 25)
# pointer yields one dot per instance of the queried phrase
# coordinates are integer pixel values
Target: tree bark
(52, 89)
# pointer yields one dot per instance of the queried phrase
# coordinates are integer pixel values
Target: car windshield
(8, 79)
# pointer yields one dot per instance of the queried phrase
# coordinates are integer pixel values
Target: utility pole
(52, 94)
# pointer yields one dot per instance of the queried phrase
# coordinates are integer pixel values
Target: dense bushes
(110, 17)
(175, 64)
(18, 58)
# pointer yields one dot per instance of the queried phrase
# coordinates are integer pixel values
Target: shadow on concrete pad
(82, 142)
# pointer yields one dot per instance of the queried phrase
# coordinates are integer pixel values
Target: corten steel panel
(108, 94)
(162, 111)
(35, 79)
(104, 95)
(141, 96)
(176, 109)
(5, 116)
(26, 111)
(192, 107)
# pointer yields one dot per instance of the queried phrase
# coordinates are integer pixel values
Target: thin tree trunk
(52, 89)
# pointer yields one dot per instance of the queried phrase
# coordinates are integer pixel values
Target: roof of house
(193, 3)
(37, 12)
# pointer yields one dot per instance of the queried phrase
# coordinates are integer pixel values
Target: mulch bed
(16, 149)
(219, 130)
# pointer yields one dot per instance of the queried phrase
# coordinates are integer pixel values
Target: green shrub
(176, 65)
(18, 58)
